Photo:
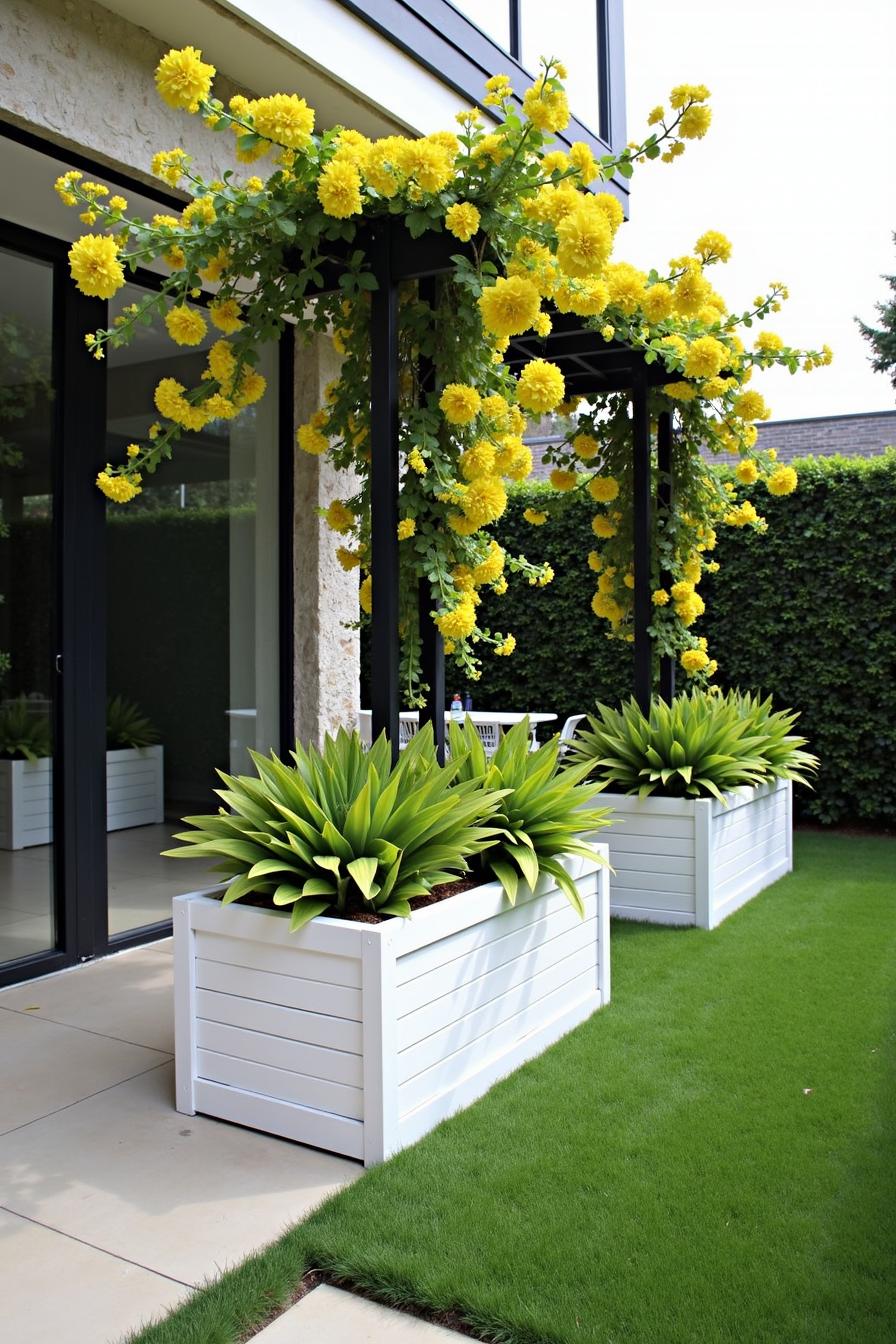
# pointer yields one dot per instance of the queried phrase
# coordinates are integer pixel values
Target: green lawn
(711, 1158)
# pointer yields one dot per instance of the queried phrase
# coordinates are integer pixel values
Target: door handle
(58, 664)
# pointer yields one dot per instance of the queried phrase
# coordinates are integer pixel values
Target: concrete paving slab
(334, 1316)
(47, 1067)
(181, 1195)
(54, 1288)
(129, 997)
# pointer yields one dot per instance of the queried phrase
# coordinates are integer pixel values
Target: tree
(882, 339)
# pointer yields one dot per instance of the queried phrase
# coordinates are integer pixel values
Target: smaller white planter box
(694, 861)
(134, 795)
(360, 1038)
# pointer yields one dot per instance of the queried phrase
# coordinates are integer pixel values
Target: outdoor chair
(489, 736)
(406, 730)
(568, 732)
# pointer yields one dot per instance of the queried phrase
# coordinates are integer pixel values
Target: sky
(798, 170)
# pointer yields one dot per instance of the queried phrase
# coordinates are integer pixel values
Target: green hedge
(806, 612)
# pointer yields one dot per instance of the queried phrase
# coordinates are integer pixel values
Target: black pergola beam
(664, 500)
(432, 650)
(642, 532)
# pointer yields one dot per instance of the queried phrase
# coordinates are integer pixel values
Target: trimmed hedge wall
(806, 612)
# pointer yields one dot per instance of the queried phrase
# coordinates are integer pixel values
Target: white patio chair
(406, 730)
(365, 728)
(568, 732)
(489, 736)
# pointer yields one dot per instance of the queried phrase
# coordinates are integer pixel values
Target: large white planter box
(694, 861)
(359, 1038)
(134, 795)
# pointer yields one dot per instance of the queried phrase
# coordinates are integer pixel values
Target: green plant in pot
(701, 744)
(343, 830)
(127, 725)
(24, 734)
(543, 809)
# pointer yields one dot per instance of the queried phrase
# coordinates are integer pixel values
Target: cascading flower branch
(535, 237)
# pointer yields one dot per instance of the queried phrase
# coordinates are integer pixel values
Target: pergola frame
(591, 367)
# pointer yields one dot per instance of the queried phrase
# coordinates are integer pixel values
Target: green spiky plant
(543, 812)
(344, 830)
(701, 744)
(24, 735)
(127, 725)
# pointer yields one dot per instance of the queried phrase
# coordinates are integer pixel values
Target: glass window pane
(491, 16)
(567, 30)
(192, 618)
(27, 616)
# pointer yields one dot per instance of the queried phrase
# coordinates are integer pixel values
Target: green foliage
(805, 613)
(343, 828)
(882, 339)
(543, 811)
(700, 744)
(24, 735)
(127, 725)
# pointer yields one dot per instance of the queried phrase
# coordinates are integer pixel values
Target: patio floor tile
(48, 1067)
(332, 1315)
(127, 997)
(55, 1288)
(182, 1195)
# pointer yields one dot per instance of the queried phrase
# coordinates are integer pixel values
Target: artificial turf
(710, 1158)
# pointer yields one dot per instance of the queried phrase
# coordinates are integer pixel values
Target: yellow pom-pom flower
(751, 406)
(339, 189)
(94, 265)
(226, 316)
(406, 528)
(185, 325)
(585, 446)
(706, 358)
(602, 526)
(459, 403)
(365, 594)
(183, 79)
(506, 647)
(460, 621)
(484, 500)
(584, 241)
(535, 516)
(509, 306)
(659, 597)
(311, 440)
(540, 386)
(119, 489)
(783, 481)
(462, 220)
(747, 471)
(339, 517)
(477, 461)
(603, 489)
(712, 246)
(284, 118)
(694, 660)
(564, 480)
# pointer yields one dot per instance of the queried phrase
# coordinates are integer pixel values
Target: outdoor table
(504, 717)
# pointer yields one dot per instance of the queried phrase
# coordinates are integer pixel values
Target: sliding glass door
(28, 922)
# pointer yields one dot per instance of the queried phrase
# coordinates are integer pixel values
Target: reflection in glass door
(192, 611)
(27, 608)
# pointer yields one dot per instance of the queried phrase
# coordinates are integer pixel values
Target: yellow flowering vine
(535, 236)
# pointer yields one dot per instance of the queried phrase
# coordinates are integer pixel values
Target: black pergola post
(432, 650)
(384, 687)
(664, 500)
(641, 505)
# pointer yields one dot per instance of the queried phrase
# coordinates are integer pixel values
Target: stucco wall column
(327, 655)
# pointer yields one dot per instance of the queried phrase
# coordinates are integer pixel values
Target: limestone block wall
(82, 77)
(326, 653)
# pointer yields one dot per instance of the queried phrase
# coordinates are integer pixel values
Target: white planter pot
(694, 861)
(134, 795)
(360, 1038)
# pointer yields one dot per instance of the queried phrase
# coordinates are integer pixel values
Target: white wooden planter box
(359, 1038)
(694, 861)
(134, 795)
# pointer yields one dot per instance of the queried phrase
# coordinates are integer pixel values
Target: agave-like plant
(343, 828)
(24, 734)
(701, 744)
(782, 749)
(543, 812)
(127, 725)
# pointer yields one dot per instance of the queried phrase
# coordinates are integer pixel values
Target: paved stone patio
(113, 1207)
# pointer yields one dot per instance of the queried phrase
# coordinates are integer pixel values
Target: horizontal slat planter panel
(337, 937)
(413, 1124)
(622, 842)
(641, 823)
(652, 863)
(653, 899)
(651, 914)
(337, 1066)
(467, 941)
(460, 970)
(747, 797)
(761, 877)
(632, 876)
(448, 1072)
(301, 1123)
(730, 857)
(315, 996)
(323, 966)
(750, 870)
(332, 1033)
(279, 1083)
(456, 1002)
(747, 820)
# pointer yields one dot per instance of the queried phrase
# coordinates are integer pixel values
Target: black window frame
(447, 42)
(80, 868)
